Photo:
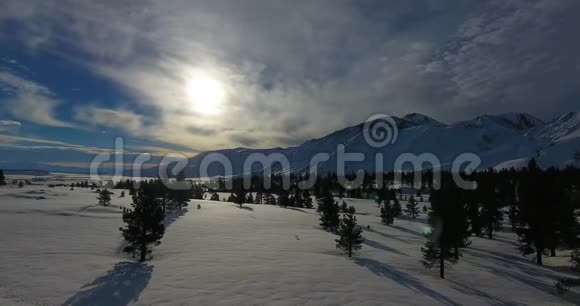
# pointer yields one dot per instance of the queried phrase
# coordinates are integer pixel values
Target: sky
(190, 76)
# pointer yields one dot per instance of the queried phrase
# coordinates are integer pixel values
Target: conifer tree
(259, 198)
(329, 212)
(179, 191)
(474, 217)
(250, 198)
(104, 197)
(343, 207)
(488, 193)
(425, 209)
(350, 238)
(215, 197)
(231, 198)
(534, 215)
(397, 210)
(144, 225)
(122, 194)
(283, 199)
(2, 178)
(411, 208)
(307, 198)
(387, 213)
(239, 197)
(449, 230)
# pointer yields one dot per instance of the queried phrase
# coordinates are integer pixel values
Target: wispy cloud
(30, 101)
(9, 126)
(296, 70)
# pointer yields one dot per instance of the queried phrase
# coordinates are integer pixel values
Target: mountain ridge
(498, 139)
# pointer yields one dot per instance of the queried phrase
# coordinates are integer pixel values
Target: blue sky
(75, 75)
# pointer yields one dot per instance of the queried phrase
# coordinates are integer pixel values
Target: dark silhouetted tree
(144, 225)
(215, 197)
(411, 208)
(449, 228)
(104, 197)
(259, 198)
(329, 212)
(240, 197)
(350, 238)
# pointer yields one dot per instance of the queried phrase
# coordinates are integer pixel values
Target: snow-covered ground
(59, 247)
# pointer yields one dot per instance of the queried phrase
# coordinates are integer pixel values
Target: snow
(498, 140)
(63, 249)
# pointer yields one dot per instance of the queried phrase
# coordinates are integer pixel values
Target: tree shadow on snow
(402, 279)
(119, 286)
(380, 246)
(300, 210)
(171, 215)
(408, 231)
(246, 208)
(416, 220)
(405, 240)
(519, 270)
(475, 292)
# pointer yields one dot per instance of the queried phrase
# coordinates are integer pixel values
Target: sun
(206, 94)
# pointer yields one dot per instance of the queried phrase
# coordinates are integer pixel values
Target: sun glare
(206, 94)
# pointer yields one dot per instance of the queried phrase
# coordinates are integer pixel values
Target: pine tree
(144, 225)
(343, 207)
(250, 198)
(215, 197)
(425, 209)
(411, 208)
(397, 210)
(475, 218)
(387, 213)
(2, 178)
(283, 199)
(104, 197)
(449, 229)
(307, 198)
(122, 194)
(259, 198)
(240, 197)
(269, 199)
(536, 215)
(488, 193)
(179, 191)
(350, 234)
(329, 212)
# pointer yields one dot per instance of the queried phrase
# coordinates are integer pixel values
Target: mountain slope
(504, 139)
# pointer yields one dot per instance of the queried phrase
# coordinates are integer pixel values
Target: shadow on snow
(520, 270)
(402, 279)
(380, 246)
(119, 286)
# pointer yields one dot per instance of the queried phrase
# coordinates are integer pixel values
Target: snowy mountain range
(504, 140)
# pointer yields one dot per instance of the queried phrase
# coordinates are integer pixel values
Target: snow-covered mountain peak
(420, 119)
(516, 121)
(563, 127)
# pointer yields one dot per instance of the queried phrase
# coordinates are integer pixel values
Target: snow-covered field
(59, 247)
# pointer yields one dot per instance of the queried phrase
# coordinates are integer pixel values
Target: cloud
(295, 71)
(33, 143)
(9, 126)
(110, 118)
(29, 101)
